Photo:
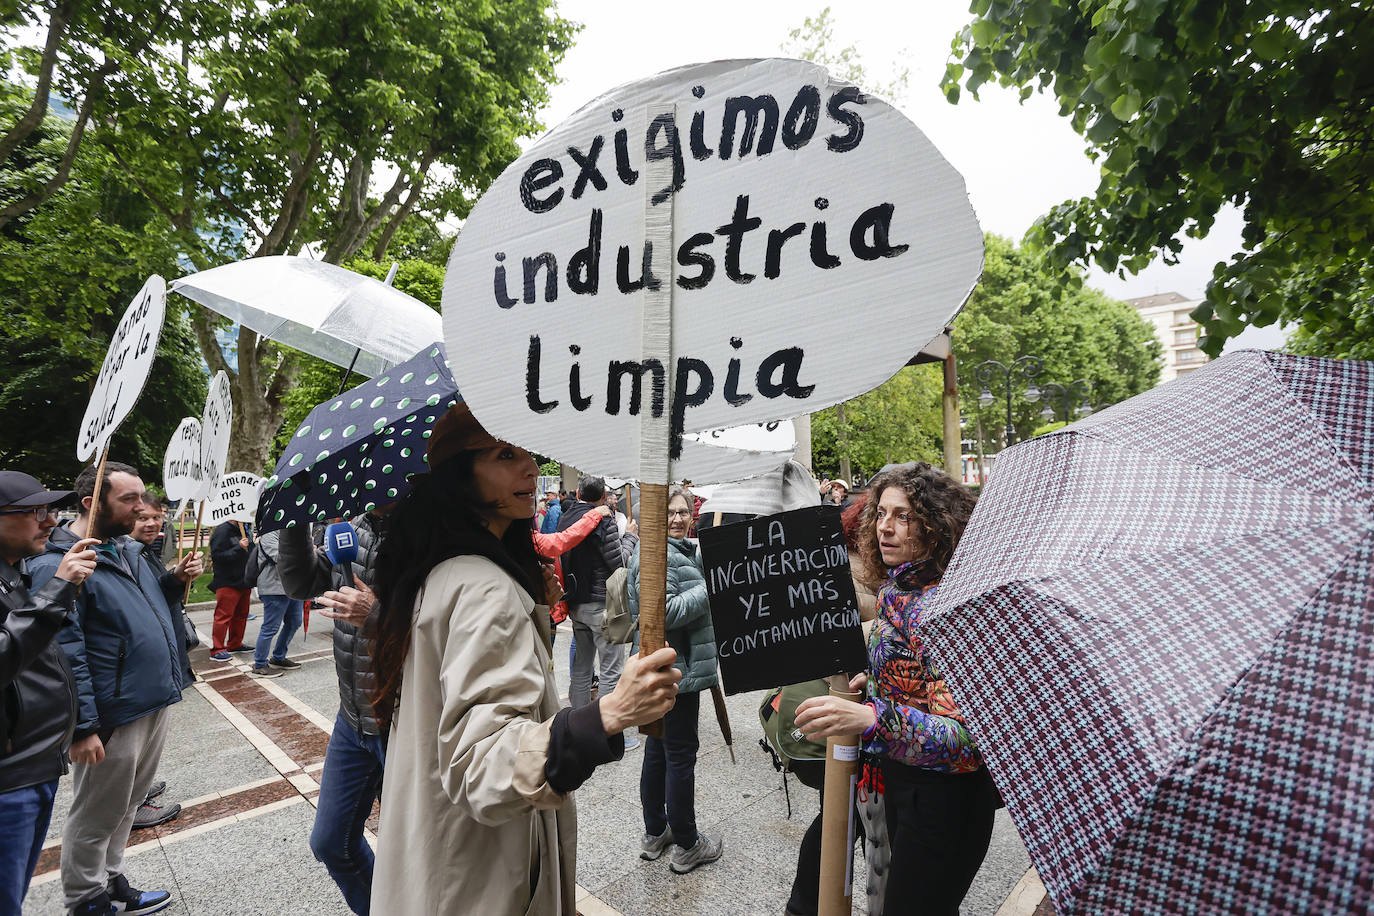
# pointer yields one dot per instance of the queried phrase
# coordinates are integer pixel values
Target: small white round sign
(215, 425)
(125, 369)
(182, 475)
(234, 498)
(809, 236)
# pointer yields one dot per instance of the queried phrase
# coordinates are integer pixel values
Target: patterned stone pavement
(243, 758)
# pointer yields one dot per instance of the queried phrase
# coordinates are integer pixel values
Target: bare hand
(349, 604)
(632, 527)
(858, 682)
(78, 562)
(646, 690)
(243, 542)
(604, 511)
(553, 589)
(830, 717)
(90, 750)
(188, 567)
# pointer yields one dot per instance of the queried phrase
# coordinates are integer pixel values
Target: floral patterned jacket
(918, 723)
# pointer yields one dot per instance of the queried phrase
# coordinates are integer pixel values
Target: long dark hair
(438, 519)
(940, 505)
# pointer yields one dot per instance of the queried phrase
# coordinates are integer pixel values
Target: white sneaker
(631, 742)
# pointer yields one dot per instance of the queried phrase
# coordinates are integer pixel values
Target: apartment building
(1177, 333)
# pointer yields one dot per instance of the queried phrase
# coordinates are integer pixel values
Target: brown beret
(457, 431)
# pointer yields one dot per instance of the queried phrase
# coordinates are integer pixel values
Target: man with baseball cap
(35, 677)
(121, 641)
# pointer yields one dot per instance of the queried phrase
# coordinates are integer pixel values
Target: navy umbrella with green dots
(360, 450)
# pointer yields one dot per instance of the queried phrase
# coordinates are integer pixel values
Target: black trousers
(806, 884)
(667, 781)
(939, 826)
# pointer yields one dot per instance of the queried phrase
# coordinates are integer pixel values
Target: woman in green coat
(667, 784)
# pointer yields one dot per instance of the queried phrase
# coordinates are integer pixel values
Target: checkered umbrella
(1160, 626)
(360, 449)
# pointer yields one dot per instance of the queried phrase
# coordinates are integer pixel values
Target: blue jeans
(349, 785)
(24, 816)
(667, 782)
(278, 613)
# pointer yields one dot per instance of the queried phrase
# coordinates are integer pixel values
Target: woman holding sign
(481, 761)
(930, 799)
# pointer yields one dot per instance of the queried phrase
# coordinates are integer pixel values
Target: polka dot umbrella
(360, 450)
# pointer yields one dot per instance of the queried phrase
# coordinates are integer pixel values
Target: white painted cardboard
(125, 369)
(215, 425)
(182, 474)
(234, 498)
(533, 358)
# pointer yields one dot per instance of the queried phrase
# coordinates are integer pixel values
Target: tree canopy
(258, 128)
(1190, 105)
(1022, 306)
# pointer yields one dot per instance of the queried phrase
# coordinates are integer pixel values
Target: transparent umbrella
(322, 309)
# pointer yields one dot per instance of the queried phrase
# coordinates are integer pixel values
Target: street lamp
(1028, 367)
(1072, 399)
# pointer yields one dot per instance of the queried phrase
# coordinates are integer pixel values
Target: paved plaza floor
(244, 755)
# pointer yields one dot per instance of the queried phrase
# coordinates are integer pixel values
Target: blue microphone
(341, 546)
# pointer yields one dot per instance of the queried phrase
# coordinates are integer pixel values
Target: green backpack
(790, 749)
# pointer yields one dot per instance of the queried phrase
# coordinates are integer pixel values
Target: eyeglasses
(679, 513)
(38, 512)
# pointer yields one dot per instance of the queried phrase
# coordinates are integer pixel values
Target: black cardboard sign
(782, 600)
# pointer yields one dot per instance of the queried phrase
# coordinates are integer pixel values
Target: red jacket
(553, 546)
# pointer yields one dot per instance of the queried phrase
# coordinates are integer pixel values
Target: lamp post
(1028, 367)
(1072, 399)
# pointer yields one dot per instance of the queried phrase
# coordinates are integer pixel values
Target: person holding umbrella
(667, 781)
(931, 799)
(481, 759)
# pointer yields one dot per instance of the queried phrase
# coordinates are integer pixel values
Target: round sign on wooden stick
(182, 472)
(124, 369)
(724, 244)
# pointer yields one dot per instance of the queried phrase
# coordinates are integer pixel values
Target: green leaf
(1125, 106)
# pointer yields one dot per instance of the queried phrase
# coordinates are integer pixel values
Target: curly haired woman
(934, 798)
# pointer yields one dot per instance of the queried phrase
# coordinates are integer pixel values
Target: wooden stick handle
(95, 495)
(200, 509)
(837, 826)
(653, 574)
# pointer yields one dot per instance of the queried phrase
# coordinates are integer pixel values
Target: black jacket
(305, 573)
(38, 700)
(229, 558)
(588, 565)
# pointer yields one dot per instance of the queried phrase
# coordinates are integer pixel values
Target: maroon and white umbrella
(1160, 627)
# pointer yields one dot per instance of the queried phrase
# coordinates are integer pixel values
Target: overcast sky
(1017, 159)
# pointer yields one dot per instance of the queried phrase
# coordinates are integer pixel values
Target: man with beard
(122, 647)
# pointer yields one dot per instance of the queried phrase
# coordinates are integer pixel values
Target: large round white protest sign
(724, 244)
(215, 425)
(182, 475)
(125, 369)
(234, 498)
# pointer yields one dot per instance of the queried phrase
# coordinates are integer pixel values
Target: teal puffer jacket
(687, 616)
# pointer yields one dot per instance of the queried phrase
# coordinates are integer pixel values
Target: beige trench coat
(468, 823)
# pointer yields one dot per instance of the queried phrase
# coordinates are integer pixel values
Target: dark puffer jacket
(120, 641)
(306, 573)
(37, 690)
(686, 614)
(588, 565)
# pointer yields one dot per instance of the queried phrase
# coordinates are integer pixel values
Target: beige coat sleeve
(492, 744)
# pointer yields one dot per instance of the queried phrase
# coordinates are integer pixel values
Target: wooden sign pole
(653, 574)
(200, 509)
(95, 494)
(181, 530)
(837, 826)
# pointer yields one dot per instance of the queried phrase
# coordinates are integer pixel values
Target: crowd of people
(443, 634)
